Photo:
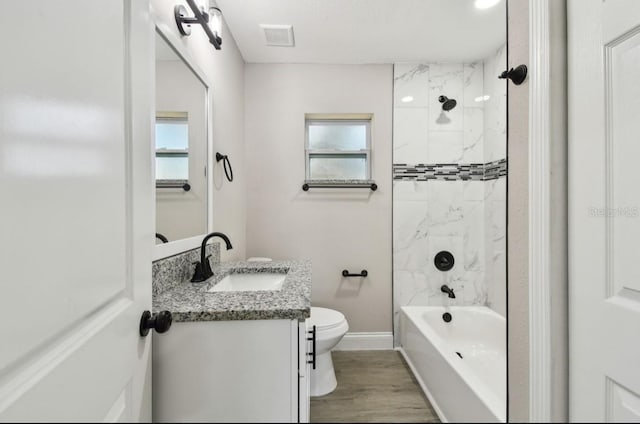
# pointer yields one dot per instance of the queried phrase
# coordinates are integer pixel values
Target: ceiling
(367, 31)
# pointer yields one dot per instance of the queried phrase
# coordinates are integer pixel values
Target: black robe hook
(517, 75)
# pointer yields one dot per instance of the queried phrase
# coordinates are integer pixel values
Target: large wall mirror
(181, 148)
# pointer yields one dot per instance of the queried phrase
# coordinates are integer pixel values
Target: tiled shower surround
(449, 189)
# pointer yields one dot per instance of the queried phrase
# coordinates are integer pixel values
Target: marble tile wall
(495, 107)
(495, 145)
(422, 132)
(434, 216)
(495, 246)
(461, 215)
(429, 217)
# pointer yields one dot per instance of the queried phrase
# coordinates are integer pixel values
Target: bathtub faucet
(449, 291)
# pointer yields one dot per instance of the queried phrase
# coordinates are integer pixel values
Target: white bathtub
(467, 389)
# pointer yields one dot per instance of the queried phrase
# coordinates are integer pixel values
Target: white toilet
(331, 326)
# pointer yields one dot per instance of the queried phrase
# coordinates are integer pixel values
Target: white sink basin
(250, 282)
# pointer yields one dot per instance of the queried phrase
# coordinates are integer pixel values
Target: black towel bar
(307, 186)
(185, 186)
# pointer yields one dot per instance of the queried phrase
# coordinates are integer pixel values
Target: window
(338, 149)
(172, 146)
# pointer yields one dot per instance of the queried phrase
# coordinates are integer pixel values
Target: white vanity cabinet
(232, 371)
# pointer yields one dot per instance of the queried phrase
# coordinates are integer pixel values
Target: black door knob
(161, 322)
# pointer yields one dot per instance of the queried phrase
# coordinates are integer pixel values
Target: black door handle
(312, 339)
(161, 322)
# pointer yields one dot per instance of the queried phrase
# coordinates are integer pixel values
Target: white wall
(336, 229)
(518, 240)
(559, 225)
(225, 70)
(518, 216)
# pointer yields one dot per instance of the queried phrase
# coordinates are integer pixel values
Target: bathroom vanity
(238, 349)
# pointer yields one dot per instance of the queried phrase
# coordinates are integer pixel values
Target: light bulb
(215, 21)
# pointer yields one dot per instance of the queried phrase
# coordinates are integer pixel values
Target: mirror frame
(172, 248)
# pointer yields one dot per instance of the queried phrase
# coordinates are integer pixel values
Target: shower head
(447, 103)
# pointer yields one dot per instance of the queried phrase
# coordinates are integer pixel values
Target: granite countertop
(192, 301)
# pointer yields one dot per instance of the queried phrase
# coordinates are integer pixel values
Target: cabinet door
(304, 371)
(226, 371)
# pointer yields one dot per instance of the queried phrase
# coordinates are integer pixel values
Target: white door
(604, 209)
(75, 203)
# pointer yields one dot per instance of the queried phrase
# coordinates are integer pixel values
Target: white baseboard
(366, 341)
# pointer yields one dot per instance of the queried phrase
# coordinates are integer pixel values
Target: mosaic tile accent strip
(169, 272)
(450, 171)
(496, 169)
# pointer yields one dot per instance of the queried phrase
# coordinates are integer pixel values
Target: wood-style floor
(373, 386)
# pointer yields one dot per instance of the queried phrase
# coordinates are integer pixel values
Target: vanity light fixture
(211, 21)
(407, 99)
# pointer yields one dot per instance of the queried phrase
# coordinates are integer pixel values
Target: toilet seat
(325, 319)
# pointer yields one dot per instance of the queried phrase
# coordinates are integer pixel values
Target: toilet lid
(324, 318)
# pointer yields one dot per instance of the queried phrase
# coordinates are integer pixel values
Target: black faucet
(203, 268)
(446, 289)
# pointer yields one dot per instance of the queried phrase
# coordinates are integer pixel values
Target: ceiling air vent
(278, 35)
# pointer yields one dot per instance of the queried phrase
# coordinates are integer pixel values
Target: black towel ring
(225, 162)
